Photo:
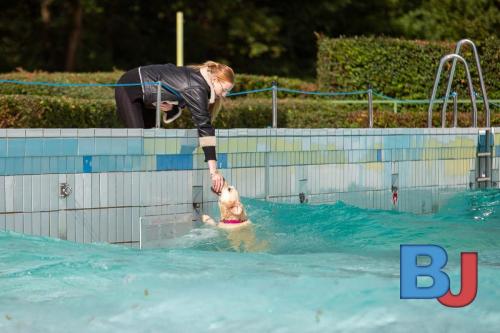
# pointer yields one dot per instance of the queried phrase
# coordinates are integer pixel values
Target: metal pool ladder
(456, 56)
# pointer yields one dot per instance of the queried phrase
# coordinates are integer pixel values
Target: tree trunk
(74, 37)
(46, 21)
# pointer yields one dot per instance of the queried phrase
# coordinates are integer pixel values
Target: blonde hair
(220, 72)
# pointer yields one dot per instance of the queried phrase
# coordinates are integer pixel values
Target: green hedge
(243, 82)
(43, 111)
(400, 68)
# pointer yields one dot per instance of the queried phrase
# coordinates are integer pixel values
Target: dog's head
(230, 205)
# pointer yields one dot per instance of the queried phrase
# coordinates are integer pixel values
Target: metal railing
(479, 71)
(456, 56)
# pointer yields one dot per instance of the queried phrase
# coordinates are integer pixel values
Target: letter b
(409, 271)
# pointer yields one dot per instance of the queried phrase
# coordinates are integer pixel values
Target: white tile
(54, 224)
(95, 230)
(71, 225)
(87, 226)
(112, 189)
(9, 193)
(3, 195)
(86, 132)
(79, 225)
(34, 133)
(68, 132)
(19, 222)
(54, 191)
(45, 224)
(87, 190)
(120, 132)
(52, 132)
(27, 193)
(102, 132)
(95, 192)
(104, 225)
(63, 225)
(16, 132)
(135, 132)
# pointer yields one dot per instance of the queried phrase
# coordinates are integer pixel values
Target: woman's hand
(165, 106)
(217, 181)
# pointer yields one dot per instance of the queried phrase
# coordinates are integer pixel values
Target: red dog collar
(232, 221)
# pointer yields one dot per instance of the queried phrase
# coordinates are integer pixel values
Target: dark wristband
(209, 153)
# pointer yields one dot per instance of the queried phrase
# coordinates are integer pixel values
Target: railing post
(275, 104)
(370, 106)
(455, 108)
(158, 106)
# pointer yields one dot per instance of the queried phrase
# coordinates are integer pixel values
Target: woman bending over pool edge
(199, 87)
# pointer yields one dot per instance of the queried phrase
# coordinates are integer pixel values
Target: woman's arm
(197, 102)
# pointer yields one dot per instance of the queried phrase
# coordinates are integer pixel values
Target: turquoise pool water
(328, 268)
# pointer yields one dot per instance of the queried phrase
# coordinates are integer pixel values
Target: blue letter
(409, 271)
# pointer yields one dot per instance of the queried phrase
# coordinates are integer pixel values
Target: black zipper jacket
(190, 89)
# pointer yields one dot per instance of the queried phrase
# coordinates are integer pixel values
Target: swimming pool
(331, 267)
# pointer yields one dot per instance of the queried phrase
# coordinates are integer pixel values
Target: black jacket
(192, 91)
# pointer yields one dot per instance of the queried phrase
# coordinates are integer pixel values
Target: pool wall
(118, 176)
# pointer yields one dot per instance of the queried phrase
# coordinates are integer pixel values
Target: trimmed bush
(401, 68)
(19, 111)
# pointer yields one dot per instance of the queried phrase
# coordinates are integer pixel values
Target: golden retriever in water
(234, 220)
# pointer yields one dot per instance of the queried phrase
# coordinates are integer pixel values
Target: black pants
(129, 103)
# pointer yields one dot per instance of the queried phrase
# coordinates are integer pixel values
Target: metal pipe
(455, 109)
(158, 106)
(180, 39)
(275, 104)
(370, 107)
(480, 72)
(436, 83)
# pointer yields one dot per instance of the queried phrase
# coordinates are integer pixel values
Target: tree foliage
(261, 37)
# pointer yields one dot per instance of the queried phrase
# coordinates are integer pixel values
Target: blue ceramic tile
(45, 165)
(111, 160)
(28, 166)
(16, 147)
(36, 165)
(19, 165)
(120, 163)
(187, 149)
(10, 167)
(497, 151)
(70, 147)
(103, 146)
(34, 147)
(103, 164)
(61, 165)
(2, 166)
(119, 146)
(3, 148)
(71, 165)
(53, 164)
(134, 146)
(222, 161)
(52, 147)
(128, 163)
(96, 163)
(136, 163)
(174, 162)
(87, 164)
(379, 155)
(86, 146)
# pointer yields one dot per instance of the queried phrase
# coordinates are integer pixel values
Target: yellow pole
(180, 36)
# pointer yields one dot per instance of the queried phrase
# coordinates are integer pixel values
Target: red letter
(468, 283)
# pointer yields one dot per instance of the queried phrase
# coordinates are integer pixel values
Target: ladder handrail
(436, 83)
(481, 81)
